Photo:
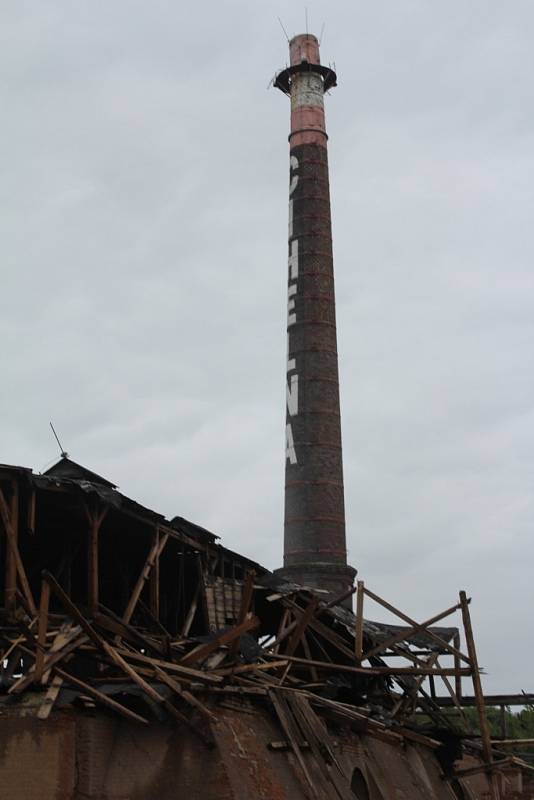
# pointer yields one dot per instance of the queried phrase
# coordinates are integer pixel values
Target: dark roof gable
(65, 468)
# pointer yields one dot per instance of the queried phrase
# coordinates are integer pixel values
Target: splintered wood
(309, 658)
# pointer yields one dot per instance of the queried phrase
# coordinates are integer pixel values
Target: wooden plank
(153, 584)
(305, 618)
(420, 738)
(246, 599)
(490, 700)
(153, 555)
(343, 712)
(13, 549)
(50, 698)
(337, 601)
(333, 638)
(239, 670)
(465, 773)
(72, 610)
(284, 619)
(15, 643)
(192, 611)
(358, 638)
(445, 645)
(405, 635)
(512, 742)
(149, 690)
(184, 673)
(185, 695)
(51, 660)
(11, 564)
(319, 645)
(104, 646)
(323, 630)
(283, 746)
(203, 650)
(457, 681)
(479, 695)
(32, 502)
(101, 698)
(283, 632)
(41, 634)
(110, 622)
(374, 670)
(410, 696)
(95, 519)
(317, 736)
(307, 653)
(288, 727)
(453, 695)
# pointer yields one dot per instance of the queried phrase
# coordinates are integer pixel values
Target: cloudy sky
(143, 194)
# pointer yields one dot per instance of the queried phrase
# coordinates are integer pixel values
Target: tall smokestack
(315, 550)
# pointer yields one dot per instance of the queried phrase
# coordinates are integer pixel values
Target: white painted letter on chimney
(290, 446)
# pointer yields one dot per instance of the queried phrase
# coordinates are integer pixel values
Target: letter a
(290, 446)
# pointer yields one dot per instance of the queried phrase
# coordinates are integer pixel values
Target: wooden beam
(12, 548)
(192, 611)
(52, 658)
(32, 502)
(282, 662)
(42, 629)
(479, 695)
(307, 653)
(321, 629)
(305, 617)
(153, 555)
(50, 698)
(457, 681)
(454, 696)
(289, 728)
(115, 657)
(246, 599)
(445, 645)
(185, 695)
(201, 652)
(101, 698)
(327, 665)
(110, 622)
(490, 700)
(284, 630)
(465, 773)
(153, 584)
(512, 742)
(95, 520)
(404, 635)
(337, 601)
(183, 673)
(11, 564)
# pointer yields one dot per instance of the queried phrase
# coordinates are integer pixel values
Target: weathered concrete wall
(75, 756)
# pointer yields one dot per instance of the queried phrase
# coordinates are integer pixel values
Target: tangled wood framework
(107, 603)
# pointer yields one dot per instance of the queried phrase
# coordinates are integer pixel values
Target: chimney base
(334, 578)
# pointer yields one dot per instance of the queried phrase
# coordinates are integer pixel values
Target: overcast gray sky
(144, 174)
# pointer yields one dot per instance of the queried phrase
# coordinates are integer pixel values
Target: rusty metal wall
(314, 525)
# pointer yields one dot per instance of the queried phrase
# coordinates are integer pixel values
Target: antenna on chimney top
(282, 26)
(64, 453)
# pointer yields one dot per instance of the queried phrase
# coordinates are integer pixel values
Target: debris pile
(108, 605)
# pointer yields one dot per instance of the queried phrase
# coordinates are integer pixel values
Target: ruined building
(141, 659)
